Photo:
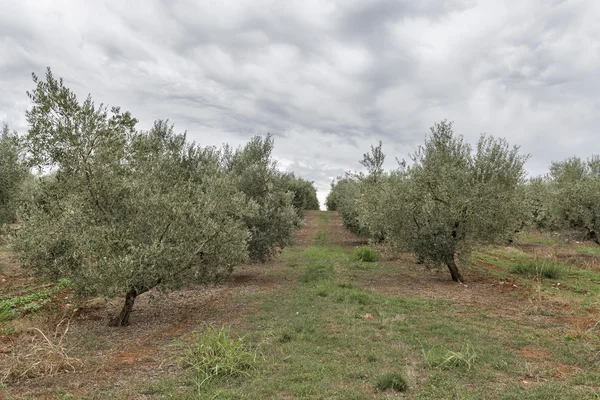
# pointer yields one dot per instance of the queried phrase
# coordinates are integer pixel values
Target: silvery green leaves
(125, 211)
(451, 197)
(575, 201)
(256, 176)
(13, 174)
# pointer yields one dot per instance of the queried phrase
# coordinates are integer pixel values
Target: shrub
(214, 353)
(541, 269)
(366, 254)
(273, 225)
(391, 381)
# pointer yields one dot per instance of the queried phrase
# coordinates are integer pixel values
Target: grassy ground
(339, 328)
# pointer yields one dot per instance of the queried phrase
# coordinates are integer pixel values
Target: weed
(542, 269)
(44, 355)
(366, 254)
(316, 272)
(391, 381)
(322, 238)
(14, 306)
(443, 358)
(213, 353)
(371, 358)
(286, 337)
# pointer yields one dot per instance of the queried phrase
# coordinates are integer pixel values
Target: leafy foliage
(257, 177)
(305, 194)
(537, 194)
(12, 174)
(575, 203)
(30, 302)
(127, 210)
(451, 197)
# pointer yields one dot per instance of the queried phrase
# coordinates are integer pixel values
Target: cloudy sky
(326, 77)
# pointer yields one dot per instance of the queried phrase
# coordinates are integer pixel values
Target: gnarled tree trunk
(123, 318)
(451, 263)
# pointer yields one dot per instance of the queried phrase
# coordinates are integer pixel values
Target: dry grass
(40, 355)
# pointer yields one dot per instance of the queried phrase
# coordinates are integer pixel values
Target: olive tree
(452, 197)
(304, 192)
(12, 174)
(346, 192)
(576, 195)
(355, 195)
(537, 195)
(273, 225)
(126, 211)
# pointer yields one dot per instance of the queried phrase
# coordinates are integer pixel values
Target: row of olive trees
(126, 211)
(13, 174)
(451, 197)
(567, 198)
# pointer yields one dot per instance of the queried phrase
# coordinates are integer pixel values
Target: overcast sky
(326, 77)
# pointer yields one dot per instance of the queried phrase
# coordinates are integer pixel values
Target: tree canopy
(125, 211)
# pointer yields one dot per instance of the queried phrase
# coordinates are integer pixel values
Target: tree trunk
(456, 276)
(123, 318)
(592, 235)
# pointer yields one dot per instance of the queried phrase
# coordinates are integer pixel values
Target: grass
(366, 254)
(44, 355)
(215, 354)
(322, 238)
(539, 268)
(443, 358)
(338, 331)
(32, 301)
(391, 381)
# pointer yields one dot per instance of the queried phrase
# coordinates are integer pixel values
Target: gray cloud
(326, 77)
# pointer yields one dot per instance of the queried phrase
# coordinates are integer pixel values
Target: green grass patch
(443, 358)
(214, 353)
(391, 381)
(539, 268)
(580, 282)
(591, 249)
(322, 238)
(366, 254)
(324, 218)
(32, 301)
(535, 238)
(316, 272)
